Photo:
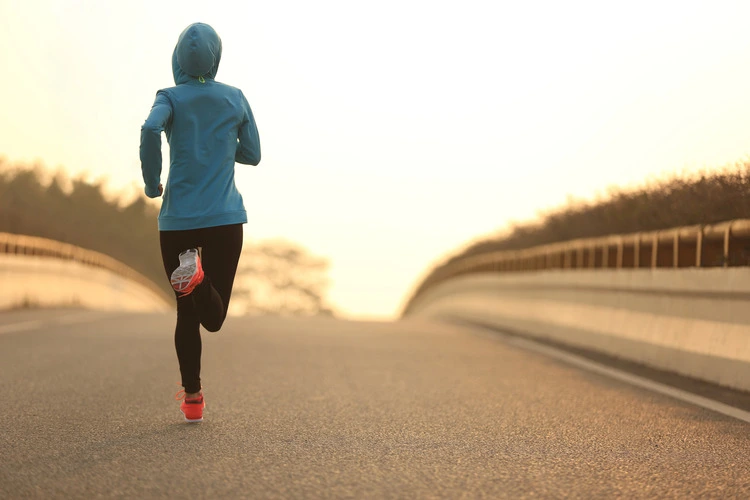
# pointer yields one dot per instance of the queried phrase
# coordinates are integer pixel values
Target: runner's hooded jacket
(209, 127)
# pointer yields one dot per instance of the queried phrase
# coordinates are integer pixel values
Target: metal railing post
(727, 233)
(637, 252)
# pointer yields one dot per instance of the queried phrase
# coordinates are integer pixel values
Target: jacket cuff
(152, 192)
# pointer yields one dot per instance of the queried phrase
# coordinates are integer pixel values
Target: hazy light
(394, 132)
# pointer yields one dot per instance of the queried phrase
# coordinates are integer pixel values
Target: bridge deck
(325, 408)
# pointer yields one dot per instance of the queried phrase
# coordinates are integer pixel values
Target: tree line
(677, 200)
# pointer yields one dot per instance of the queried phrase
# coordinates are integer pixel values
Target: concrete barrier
(38, 272)
(692, 321)
(49, 282)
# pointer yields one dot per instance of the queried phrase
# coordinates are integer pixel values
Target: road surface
(319, 408)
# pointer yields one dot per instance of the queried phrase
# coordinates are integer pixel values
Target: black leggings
(207, 305)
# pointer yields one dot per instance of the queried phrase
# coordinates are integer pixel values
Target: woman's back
(209, 126)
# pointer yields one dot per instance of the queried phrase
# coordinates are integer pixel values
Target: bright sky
(394, 132)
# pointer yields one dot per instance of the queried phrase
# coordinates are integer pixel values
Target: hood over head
(197, 53)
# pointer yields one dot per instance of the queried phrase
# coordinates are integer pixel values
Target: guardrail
(717, 245)
(18, 244)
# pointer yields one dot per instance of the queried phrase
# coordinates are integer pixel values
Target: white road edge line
(83, 317)
(629, 378)
(19, 327)
(68, 319)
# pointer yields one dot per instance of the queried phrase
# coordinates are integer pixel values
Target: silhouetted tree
(280, 277)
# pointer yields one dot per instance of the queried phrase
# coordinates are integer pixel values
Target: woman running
(209, 127)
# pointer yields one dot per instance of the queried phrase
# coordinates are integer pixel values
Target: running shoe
(192, 408)
(190, 273)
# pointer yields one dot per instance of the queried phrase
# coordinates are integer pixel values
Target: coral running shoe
(191, 408)
(190, 273)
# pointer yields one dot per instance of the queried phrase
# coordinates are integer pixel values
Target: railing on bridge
(17, 244)
(718, 245)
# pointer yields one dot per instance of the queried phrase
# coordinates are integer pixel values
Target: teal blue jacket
(209, 127)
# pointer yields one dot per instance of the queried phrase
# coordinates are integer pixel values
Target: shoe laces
(181, 395)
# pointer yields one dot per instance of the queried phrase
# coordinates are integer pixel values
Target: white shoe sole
(182, 276)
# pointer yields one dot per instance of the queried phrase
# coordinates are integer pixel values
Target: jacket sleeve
(248, 148)
(161, 114)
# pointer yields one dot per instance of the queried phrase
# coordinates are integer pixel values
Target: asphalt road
(335, 409)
